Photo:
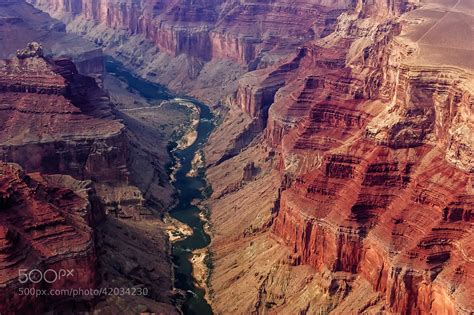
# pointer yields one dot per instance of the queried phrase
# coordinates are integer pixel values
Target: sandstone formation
(207, 30)
(59, 124)
(358, 116)
(196, 47)
(21, 23)
(57, 121)
(46, 224)
(371, 136)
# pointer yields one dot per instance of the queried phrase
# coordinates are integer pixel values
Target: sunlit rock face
(242, 31)
(193, 46)
(366, 110)
(378, 162)
(372, 127)
(209, 29)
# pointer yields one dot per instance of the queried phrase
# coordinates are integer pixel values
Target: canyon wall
(371, 138)
(194, 47)
(357, 118)
(53, 121)
(82, 140)
(60, 127)
(206, 29)
(20, 24)
(46, 225)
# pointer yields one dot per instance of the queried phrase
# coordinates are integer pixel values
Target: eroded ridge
(372, 141)
(46, 224)
(55, 120)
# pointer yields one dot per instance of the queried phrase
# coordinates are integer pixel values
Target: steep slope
(54, 120)
(46, 224)
(370, 133)
(30, 24)
(57, 121)
(192, 47)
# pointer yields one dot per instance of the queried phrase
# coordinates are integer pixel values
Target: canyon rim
(236, 157)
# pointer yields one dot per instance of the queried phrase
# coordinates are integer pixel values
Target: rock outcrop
(34, 49)
(46, 226)
(59, 125)
(54, 120)
(371, 136)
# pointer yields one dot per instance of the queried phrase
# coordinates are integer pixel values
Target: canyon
(341, 165)
(73, 203)
(371, 136)
(195, 47)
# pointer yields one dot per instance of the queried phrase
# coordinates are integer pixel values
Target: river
(189, 188)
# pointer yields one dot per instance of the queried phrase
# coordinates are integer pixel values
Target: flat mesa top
(442, 31)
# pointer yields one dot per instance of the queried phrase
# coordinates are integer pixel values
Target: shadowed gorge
(239, 157)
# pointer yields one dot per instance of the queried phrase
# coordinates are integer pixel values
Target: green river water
(189, 188)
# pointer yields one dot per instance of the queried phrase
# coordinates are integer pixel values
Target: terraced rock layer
(371, 136)
(193, 47)
(206, 30)
(46, 224)
(54, 120)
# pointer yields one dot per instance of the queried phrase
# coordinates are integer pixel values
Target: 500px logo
(48, 275)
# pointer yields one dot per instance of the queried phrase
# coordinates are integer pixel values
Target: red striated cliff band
(54, 120)
(210, 29)
(45, 226)
(378, 173)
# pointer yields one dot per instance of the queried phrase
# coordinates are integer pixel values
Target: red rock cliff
(54, 120)
(372, 126)
(381, 173)
(44, 225)
(209, 29)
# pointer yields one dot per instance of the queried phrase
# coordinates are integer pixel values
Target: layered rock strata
(372, 139)
(193, 47)
(54, 120)
(57, 121)
(46, 226)
(207, 30)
